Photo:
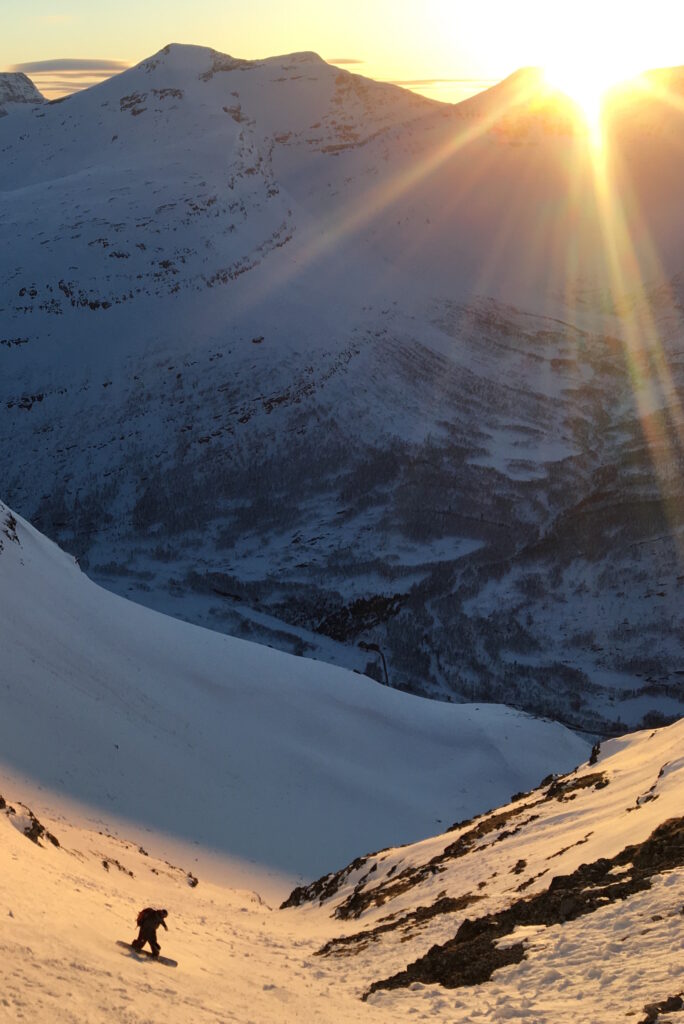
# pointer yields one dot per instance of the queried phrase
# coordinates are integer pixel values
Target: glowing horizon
(438, 48)
(593, 58)
(61, 77)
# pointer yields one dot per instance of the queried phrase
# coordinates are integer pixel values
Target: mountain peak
(206, 61)
(188, 57)
(17, 88)
(300, 57)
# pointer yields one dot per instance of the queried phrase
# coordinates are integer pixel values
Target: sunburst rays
(597, 228)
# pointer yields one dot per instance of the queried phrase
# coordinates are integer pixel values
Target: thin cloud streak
(95, 75)
(52, 87)
(474, 82)
(68, 64)
(62, 76)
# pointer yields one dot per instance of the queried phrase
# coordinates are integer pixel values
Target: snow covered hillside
(564, 905)
(257, 755)
(317, 362)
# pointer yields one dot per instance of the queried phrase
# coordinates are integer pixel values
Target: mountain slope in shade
(261, 756)
(315, 361)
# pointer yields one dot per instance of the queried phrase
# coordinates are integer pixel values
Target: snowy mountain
(315, 361)
(16, 91)
(525, 106)
(151, 762)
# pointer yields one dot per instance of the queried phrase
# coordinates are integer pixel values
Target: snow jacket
(150, 923)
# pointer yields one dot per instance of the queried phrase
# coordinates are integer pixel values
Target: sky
(443, 48)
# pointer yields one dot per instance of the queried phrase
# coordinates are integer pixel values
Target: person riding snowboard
(148, 921)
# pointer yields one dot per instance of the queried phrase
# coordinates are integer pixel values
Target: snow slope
(315, 361)
(564, 905)
(257, 755)
(597, 948)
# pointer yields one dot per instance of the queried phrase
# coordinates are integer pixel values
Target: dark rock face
(440, 967)
(351, 944)
(324, 888)
(16, 87)
(8, 528)
(33, 829)
(653, 1010)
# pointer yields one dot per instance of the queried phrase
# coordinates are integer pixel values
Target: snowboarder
(148, 921)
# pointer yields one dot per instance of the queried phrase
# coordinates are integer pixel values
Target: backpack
(144, 914)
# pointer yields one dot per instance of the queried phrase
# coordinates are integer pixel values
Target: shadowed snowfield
(285, 762)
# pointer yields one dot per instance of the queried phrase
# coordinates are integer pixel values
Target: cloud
(67, 64)
(345, 60)
(62, 76)
(474, 82)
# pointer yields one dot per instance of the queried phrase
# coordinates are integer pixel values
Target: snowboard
(146, 952)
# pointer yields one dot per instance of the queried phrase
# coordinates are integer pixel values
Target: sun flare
(594, 52)
(587, 86)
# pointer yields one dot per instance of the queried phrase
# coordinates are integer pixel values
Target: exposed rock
(323, 888)
(358, 941)
(653, 1010)
(473, 954)
(106, 861)
(562, 789)
(16, 89)
(26, 822)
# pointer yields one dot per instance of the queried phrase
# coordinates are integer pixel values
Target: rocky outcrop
(475, 952)
(16, 89)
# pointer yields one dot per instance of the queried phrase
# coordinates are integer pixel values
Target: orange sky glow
(443, 49)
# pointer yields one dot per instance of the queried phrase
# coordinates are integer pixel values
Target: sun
(596, 47)
(586, 87)
(587, 82)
